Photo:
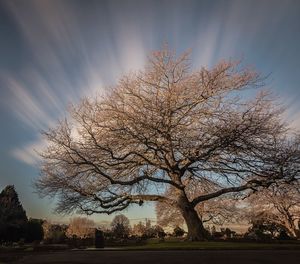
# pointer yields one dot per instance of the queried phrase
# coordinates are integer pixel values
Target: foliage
(13, 219)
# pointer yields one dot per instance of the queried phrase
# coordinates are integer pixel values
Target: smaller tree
(54, 233)
(139, 229)
(279, 204)
(178, 232)
(80, 227)
(120, 226)
(159, 232)
(147, 230)
(227, 233)
(46, 230)
(263, 228)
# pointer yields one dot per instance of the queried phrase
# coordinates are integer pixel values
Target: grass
(171, 244)
(210, 245)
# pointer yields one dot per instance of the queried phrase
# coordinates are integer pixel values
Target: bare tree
(138, 229)
(160, 127)
(54, 233)
(120, 226)
(81, 227)
(279, 205)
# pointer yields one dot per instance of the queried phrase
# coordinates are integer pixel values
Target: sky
(52, 53)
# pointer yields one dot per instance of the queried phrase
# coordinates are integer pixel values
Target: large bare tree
(159, 128)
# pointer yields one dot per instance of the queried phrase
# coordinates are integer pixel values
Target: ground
(154, 251)
(171, 256)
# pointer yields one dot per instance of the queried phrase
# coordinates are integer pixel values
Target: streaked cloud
(29, 152)
(78, 49)
(26, 105)
(64, 66)
(55, 52)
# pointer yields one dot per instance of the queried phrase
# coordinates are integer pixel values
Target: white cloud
(25, 105)
(29, 153)
(68, 63)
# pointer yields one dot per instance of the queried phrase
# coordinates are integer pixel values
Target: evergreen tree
(13, 219)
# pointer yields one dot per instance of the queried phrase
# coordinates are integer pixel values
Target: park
(156, 151)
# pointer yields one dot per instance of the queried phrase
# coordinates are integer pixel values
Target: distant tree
(34, 231)
(54, 233)
(148, 223)
(47, 229)
(147, 230)
(159, 231)
(120, 226)
(178, 232)
(264, 229)
(163, 126)
(279, 205)
(138, 229)
(80, 227)
(227, 233)
(13, 219)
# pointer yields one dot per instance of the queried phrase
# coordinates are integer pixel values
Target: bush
(264, 230)
(178, 232)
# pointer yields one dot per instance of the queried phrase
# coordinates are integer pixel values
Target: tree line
(270, 216)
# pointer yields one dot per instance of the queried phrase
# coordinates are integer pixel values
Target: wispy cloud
(65, 66)
(74, 51)
(26, 105)
(29, 153)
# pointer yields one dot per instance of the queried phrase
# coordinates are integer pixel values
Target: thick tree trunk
(196, 230)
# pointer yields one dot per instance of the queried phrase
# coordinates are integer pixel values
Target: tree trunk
(290, 225)
(196, 230)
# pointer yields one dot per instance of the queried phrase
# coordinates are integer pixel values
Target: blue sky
(54, 52)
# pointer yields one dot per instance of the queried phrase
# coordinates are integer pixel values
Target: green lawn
(176, 245)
